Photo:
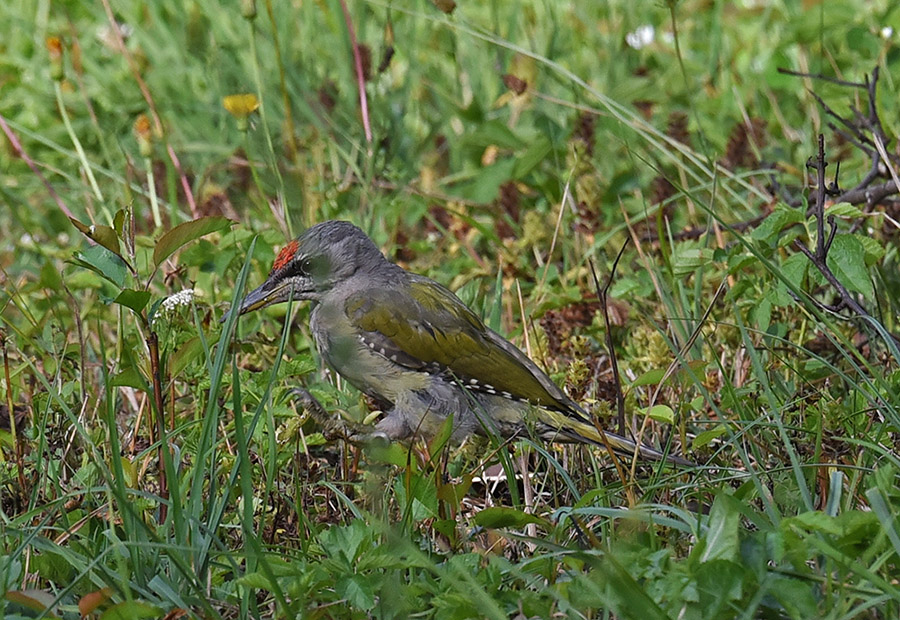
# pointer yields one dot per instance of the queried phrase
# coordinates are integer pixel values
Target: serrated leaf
(847, 259)
(184, 233)
(130, 298)
(105, 263)
(781, 216)
(794, 269)
(844, 209)
(358, 592)
(686, 260)
(501, 516)
(873, 247)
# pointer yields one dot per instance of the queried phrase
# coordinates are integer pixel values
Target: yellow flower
(143, 134)
(240, 107)
(55, 49)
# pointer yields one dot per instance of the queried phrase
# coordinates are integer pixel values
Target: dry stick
(145, 91)
(819, 258)
(603, 294)
(620, 397)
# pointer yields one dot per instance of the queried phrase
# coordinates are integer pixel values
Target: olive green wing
(426, 327)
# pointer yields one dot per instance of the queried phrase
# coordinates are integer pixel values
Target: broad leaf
(100, 260)
(661, 413)
(104, 235)
(130, 298)
(721, 538)
(501, 516)
(847, 259)
(183, 234)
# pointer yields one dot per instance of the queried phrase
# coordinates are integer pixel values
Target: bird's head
(314, 263)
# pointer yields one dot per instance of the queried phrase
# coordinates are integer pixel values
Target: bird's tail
(561, 428)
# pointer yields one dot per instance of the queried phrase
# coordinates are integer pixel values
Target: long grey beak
(260, 297)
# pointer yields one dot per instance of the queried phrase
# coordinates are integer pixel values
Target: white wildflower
(887, 32)
(640, 37)
(181, 298)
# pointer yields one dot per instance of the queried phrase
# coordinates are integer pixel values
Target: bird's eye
(306, 267)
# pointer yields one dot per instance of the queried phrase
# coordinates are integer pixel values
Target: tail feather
(568, 429)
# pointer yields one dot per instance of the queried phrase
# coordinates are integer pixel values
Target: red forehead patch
(284, 256)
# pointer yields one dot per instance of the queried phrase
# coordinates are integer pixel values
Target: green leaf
(130, 377)
(186, 353)
(500, 516)
(36, 600)
(130, 298)
(783, 215)
(844, 209)
(873, 247)
(704, 438)
(100, 260)
(494, 133)
(721, 538)
(796, 595)
(533, 155)
(183, 234)
(687, 260)
(357, 590)
(661, 413)
(486, 184)
(131, 610)
(651, 377)
(847, 259)
(441, 438)
(104, 235)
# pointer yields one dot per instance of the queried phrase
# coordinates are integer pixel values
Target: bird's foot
(332, 426)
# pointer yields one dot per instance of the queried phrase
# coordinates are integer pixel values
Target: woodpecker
(406, 340)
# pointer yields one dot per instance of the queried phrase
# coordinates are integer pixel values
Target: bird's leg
(332, 426)
(392, 427)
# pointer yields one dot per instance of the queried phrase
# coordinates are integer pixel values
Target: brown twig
(819, 258)
(155, 372)
(603, 295)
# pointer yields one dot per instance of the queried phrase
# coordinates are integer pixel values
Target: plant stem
(153, 346)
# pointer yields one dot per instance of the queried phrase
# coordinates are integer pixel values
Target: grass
(193, 485)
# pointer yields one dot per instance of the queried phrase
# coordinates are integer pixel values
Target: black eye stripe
(300, 267)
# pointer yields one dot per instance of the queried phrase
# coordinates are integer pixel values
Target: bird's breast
(342, 347)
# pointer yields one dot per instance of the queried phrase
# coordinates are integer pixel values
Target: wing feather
(426, 327)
